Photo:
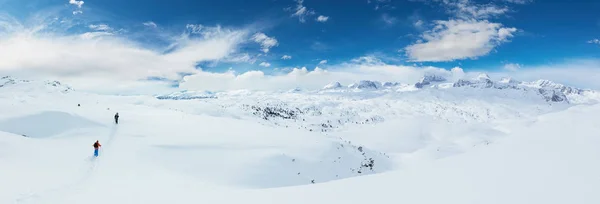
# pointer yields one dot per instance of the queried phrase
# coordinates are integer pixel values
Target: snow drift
(45, 124)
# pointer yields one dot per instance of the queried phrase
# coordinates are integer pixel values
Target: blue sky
(274, 36)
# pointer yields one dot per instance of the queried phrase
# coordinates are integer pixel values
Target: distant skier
(96, 147)
(117, 118)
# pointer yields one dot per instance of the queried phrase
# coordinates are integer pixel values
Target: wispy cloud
(381, 4)
(466, 9)
(418, 23)
(302, 12)
(323, 62)
(319, 46)
(512, 67)
(265, 41)
(322, 18)
(519, 1)
(594, 41)
(150, 24)
(100, 27)
(389, 20)
(286, 57)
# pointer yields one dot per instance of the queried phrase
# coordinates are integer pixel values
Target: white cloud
(100, 27)
(238, 58)
(465, 9)
(418, 23)
(579, 74)
(94, 35)
(323, 62)
(379, 4)
(265, 64)
(286, 57)
(150, 24)
(194, 28)
(388, 19)
(512, 67)
(458, 39)
(344, 73)
(95, 61)
(301, 11)
(322, 18)
(519, 1)
(594, 41)
(79, 4)
(265, 41)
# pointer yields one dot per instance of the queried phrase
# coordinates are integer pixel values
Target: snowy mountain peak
(391, 84)
(34, 85)
(483, 77)
(333, 85)
(366, 84)
(428, 79)
(8, 80)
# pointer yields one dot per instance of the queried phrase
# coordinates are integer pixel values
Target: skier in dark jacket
(117, 118)
(96, 147)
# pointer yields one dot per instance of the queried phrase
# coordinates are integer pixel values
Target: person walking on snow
(96, 147)
(117, 118)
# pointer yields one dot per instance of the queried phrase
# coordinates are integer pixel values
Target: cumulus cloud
(594, 41)
(265, 64)
(265, 41)
(322, 18)
(512, 67)
(286, 57)
(467, 36)
(79, 4)
(459, 39)
(150, 24)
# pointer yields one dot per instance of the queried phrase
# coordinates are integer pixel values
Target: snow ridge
(187, 95)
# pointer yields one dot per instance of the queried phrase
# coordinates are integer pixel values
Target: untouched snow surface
(474, 144)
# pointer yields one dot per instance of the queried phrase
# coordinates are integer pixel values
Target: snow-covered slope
(370, 142)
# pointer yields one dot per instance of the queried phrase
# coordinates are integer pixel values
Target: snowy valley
(475, 140)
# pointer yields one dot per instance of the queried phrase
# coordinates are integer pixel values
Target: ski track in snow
(61, 191)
